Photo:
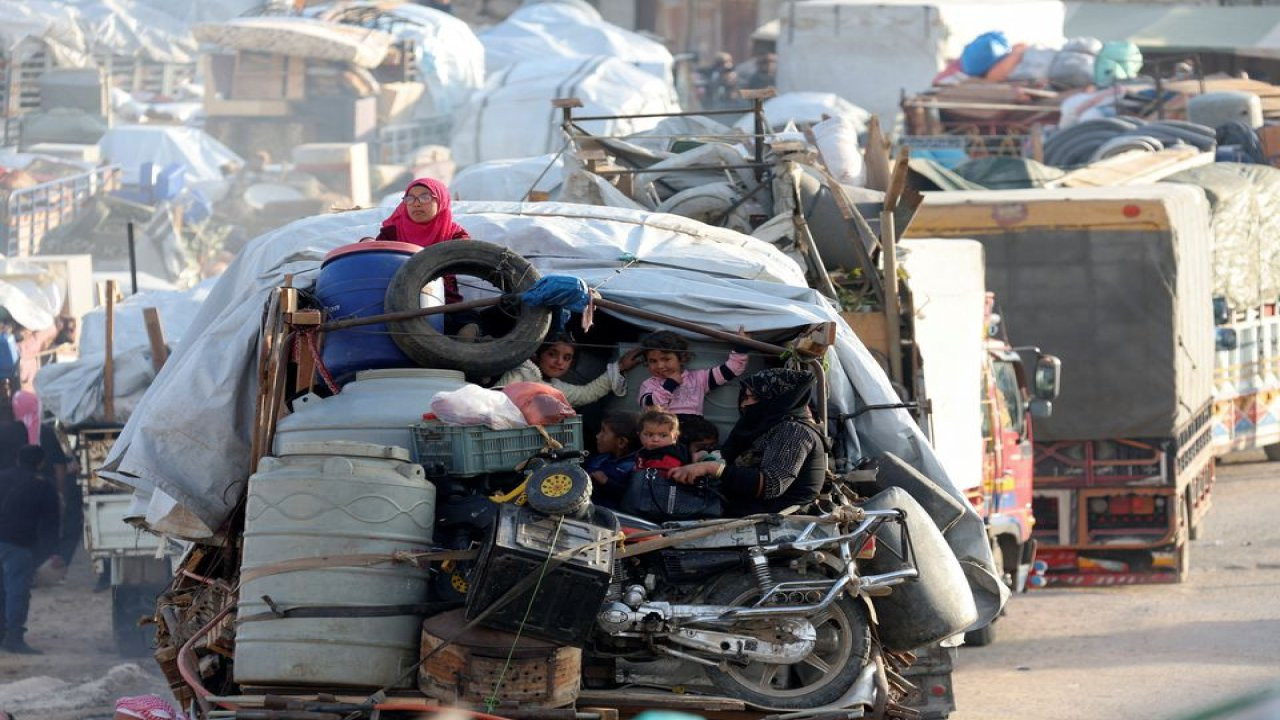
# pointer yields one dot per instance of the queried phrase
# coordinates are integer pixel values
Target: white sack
(837, 140)
(806, 108)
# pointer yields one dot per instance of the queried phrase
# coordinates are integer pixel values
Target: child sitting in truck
(555, 358)
(701, 436)
(673, 388)
(660, 449)
(615, 457)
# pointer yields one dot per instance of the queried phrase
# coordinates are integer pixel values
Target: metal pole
(728, 337)
(407, 314)
(133, 260)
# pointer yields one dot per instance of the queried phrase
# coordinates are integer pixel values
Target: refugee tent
(512, 116)
(127, 28)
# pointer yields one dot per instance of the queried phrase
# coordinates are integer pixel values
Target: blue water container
(353, 281)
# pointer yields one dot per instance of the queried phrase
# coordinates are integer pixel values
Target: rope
(308, 338)
(491, 702)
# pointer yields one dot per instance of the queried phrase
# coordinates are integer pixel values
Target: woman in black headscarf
(775, 455)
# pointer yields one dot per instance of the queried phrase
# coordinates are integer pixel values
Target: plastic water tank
(379, 406)
(352, 283)
(323, 500)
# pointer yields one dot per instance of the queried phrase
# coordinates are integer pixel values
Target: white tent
(512, 116)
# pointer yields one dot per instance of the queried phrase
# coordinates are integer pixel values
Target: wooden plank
(258, 108)
(1135, 167)
(155, 335)
(108, 363)
(877, 156)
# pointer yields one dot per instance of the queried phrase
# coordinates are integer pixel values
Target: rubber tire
(1272, 451)
(504, 269)
(731, 588)
(128, 604)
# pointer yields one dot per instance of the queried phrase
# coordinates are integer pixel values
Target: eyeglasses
(424, 199)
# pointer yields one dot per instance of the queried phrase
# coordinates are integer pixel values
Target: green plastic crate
(478, 449)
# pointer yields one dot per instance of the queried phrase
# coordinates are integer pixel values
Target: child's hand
(630, 360)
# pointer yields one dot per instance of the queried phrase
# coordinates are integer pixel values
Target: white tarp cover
(948, 286)
(806, 108)
(72, 391)
(450, 56)
(300, 37)
(129, 146)
(512, 116)
(870, 51)
(508, 180)
(56, 25)
(543, 31)
(198, 11)
(125, 27)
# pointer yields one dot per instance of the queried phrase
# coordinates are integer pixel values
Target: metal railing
(30, 213)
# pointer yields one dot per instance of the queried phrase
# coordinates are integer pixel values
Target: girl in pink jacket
(672, 387)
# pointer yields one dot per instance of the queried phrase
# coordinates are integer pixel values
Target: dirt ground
(79, 676)
(1153, 652)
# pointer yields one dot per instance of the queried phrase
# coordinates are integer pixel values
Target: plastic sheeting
(1246, 225)
(450, 56)
(547, 30)
(512, 116)
(130, 146)
(56, 25)
(806, 108)
(870, 51)
(123, 27)
(1115, 281)
(948, 286)
(72, 391)
(508, 180)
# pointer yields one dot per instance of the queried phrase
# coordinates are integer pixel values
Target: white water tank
(339, 505)
(379, 406)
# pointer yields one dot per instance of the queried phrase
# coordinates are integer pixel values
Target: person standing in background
(28, 520)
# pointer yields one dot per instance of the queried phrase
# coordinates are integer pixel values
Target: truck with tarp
(1116, 281)
(288, 489)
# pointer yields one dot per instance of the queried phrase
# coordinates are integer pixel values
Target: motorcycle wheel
(844, 644)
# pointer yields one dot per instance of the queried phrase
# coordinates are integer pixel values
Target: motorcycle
(771, 610)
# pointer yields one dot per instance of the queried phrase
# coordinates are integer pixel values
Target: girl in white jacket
(555, 358)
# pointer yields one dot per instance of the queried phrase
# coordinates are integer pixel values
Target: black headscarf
(780, 394)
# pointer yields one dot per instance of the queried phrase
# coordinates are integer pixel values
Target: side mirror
(1048, 377)
(1041, 409)
(1226, 339)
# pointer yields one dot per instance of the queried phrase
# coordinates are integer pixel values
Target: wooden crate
(870, 328)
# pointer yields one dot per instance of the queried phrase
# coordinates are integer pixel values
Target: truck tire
(130, 603)
(486, 357)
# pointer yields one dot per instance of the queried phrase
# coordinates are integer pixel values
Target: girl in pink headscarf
(424, 218)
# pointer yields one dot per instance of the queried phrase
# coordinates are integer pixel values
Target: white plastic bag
(837, 139)
(474, 405)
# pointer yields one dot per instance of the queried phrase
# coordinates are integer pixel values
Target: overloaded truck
(1117, 282)
(336, 548)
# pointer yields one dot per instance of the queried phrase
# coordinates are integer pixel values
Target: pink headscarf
(26, 410)
(437, 229)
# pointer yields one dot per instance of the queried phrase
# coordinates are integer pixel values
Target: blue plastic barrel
(353, 281)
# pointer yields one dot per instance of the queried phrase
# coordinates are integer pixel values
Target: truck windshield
(1011, 415)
